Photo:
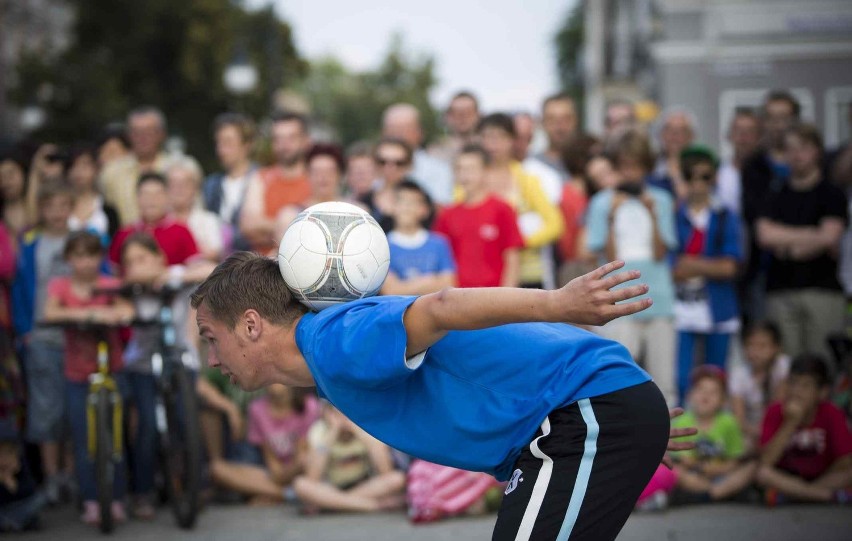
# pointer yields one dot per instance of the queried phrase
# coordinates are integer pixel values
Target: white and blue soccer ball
(332, 253)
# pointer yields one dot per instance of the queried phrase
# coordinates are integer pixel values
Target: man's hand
(678, 433)
(589, 299)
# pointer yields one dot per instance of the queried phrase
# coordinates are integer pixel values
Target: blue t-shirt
(431, 256)
(477, 397)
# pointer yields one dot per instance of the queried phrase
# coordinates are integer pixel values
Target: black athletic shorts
(582, 473)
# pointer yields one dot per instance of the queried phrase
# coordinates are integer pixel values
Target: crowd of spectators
(748, 259)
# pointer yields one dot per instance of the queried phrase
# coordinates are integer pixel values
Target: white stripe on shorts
(540, 487)
(580, 484)
(585, 471)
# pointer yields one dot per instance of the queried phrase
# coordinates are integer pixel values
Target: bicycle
(104, 420)
(176, 404)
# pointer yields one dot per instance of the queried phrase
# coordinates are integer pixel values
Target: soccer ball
(332, 253)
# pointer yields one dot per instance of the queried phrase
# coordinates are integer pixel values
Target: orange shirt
(281, 191)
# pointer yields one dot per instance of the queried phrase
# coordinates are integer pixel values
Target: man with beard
(280, 185)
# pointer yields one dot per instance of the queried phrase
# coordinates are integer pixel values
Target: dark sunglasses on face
(399, 163)
(706, 177)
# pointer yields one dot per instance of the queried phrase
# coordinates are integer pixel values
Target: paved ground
(700, 523)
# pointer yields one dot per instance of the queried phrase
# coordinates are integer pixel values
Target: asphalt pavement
(719, 522)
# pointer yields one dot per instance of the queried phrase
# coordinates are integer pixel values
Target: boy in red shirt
(174, 238)
(482, 229)
(806, 446)
(76, 298)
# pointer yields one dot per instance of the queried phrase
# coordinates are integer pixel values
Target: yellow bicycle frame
(103, 380)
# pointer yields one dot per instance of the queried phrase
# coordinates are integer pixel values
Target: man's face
(619, 117)
(182, 188)
(559, 120)
(524, 129)
(289, 142)
(744, 135)
(676, 134)
(393, 163)
(230, 147)
(778, 119)
(360, 174)
(230, 351)
(153, 202)
(462, 116)
(146, 135)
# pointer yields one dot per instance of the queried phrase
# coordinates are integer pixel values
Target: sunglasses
(706, 177)
(398, 163)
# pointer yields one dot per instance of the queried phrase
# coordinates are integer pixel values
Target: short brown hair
(632, 144)
(246, 281)
(143, 240)
(84, 242)
(243, 124)
(809, 134)
(51, 188)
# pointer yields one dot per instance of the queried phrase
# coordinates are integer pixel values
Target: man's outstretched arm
(587, 300)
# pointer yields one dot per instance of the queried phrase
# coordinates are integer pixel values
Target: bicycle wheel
(181, 450)
(104, 465)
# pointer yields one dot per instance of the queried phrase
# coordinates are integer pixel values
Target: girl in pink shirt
(277, 423)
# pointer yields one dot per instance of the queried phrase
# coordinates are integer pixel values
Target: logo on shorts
(514, 481)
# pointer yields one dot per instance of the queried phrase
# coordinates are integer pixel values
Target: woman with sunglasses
(394, 159)
(706, 309)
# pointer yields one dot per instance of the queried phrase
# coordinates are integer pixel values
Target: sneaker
(658, 501)
(119, 515)
(52, 491)
(91, 513)
(143, 509)
(772, 497)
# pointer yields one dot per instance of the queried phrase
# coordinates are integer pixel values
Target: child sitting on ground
(20, 503)
(759, 381)
(346, 469)
(278, 424)
(806, 446)
(715, 470)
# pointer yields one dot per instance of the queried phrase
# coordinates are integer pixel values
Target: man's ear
(252, 324)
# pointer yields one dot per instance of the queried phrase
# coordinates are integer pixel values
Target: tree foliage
(171, 54)
(350, 103)
(568, 41)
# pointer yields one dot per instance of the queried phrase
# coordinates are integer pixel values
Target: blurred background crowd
(724, 180)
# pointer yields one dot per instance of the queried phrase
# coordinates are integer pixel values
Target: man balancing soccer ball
(485, 379)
